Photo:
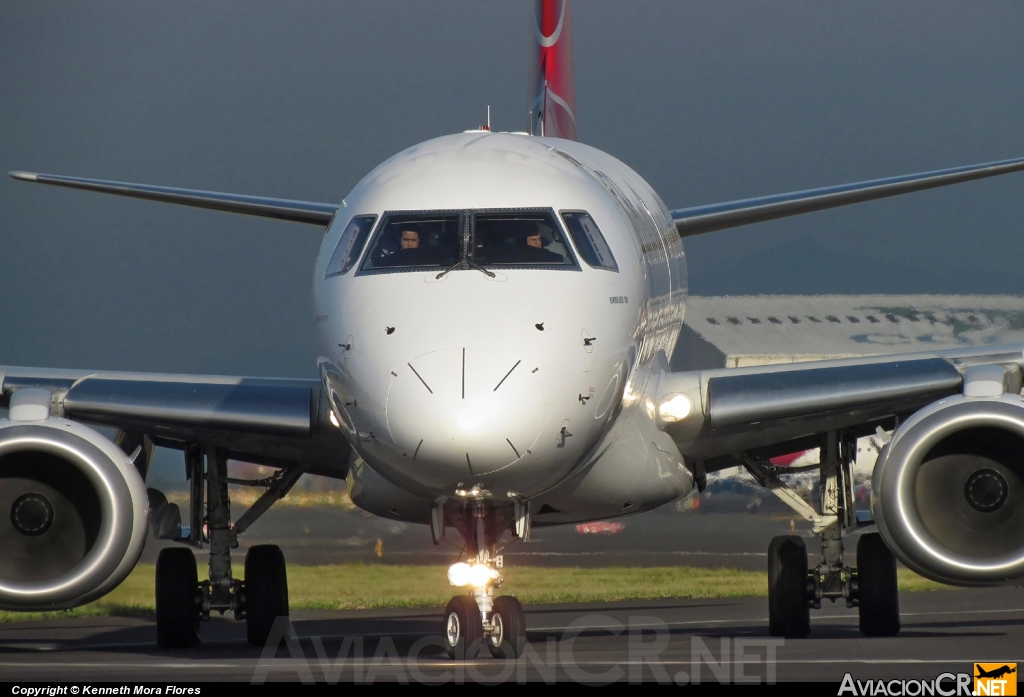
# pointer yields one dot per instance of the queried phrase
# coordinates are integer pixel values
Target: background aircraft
(252, 243)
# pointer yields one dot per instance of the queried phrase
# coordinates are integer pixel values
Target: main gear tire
(789, 610)
(177, 589)
(877, 587)
(266, 591)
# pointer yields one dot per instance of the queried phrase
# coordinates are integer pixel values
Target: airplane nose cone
(460, 413)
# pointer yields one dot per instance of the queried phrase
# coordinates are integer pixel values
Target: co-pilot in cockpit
(517, 239)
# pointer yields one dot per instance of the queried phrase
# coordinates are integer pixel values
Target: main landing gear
(182, 601)
(793, 589)
(478, 618)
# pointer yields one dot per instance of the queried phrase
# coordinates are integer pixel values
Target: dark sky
(707, 100)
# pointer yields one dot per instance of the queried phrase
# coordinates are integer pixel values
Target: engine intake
(948, 491)
(73, 510)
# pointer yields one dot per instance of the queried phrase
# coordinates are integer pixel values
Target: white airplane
(494, 313)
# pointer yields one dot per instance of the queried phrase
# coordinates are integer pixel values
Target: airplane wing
(278, 422)
(763, 411)
(282, 209)
(719, 216)
(688, 221)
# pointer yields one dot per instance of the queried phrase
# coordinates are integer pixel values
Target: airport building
(737, 331)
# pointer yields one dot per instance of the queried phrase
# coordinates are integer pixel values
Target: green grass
(346, 586)
(909, 581)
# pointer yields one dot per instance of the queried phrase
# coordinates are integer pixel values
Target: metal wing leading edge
(263, 206)
(279, 422)
(947, 488)
(776, 409)
(718, 216)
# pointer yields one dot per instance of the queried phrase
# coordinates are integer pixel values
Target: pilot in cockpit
(410, 237)
(537, 252)
(409, 252)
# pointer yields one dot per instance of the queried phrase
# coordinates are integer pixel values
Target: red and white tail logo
(552, 95)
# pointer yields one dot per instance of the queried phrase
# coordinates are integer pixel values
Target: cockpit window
(462, 240)
(522, 238)
(590, 243)
(350, 246)
(416, 241)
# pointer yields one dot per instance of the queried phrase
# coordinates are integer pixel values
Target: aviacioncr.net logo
(995, 679)
(944, 685)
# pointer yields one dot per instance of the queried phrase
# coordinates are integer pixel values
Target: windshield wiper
(474, 265)
(451, 268)
(470, 263)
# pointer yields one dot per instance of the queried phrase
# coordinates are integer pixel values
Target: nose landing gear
(463, 630)
(478, 618)
(508, 635)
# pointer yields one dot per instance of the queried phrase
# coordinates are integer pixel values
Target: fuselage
(513, 376)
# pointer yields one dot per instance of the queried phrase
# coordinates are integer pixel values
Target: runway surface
(679, 640)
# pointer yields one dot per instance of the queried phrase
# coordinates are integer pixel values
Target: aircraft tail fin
(552, 95)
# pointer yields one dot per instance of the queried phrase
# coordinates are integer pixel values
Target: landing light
(476, 575)
(675, 407)
(334, 420)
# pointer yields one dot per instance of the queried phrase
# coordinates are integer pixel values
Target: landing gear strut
(478, 618)
(793, 589)
(181, 599)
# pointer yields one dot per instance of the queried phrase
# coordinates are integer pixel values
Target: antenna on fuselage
(488, 117)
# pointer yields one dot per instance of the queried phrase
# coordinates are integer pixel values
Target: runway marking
(46, 648)
(133, 664)
(286, 663)
(684, 623)
(962, 612)
(624, 553)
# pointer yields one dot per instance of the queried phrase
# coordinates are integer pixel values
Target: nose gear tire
(508, 614)
(789, 612)
(266, 591)
(463, 628)
(177, 585)
(879, 594)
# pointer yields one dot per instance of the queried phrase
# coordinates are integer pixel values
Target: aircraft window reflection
(420, 240)
(590, 243)
(350, 246)
(526, 238)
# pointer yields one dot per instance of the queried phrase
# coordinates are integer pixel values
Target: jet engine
(948, 489)
(73, 509)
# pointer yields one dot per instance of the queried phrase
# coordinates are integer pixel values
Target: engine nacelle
(73, 510)
(948, 491)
